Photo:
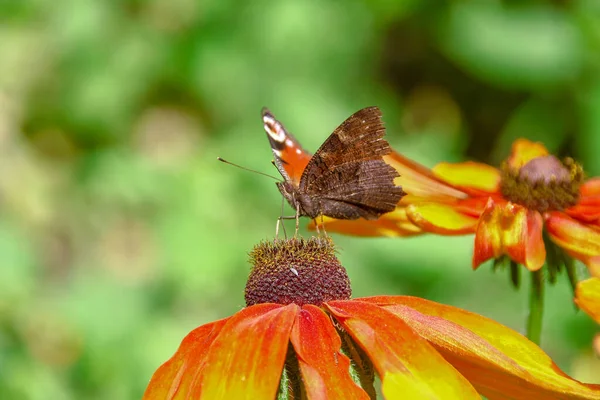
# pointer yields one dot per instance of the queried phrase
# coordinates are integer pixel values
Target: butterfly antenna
(248, 169)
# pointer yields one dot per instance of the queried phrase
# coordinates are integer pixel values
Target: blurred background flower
(120, 232)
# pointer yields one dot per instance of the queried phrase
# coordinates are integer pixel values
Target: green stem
(536, 307)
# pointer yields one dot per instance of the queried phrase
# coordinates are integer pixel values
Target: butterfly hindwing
(366, 187)
(360, 137)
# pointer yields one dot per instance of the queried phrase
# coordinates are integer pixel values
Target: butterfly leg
(323, 226)
(280, 221)
(297, 219)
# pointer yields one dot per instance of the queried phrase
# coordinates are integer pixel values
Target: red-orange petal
(587, 297)
(587, 208)
(177, 377)
(512, 230)
(499, 362)
(469, 175)
(523, 151)
(442, 219)
(408, 366)
(323, 367)
(392, 224)
(579, 240)
(587, 213)
(246, 360)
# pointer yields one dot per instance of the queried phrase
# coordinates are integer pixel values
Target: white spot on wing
(298, 151)
(274, 129)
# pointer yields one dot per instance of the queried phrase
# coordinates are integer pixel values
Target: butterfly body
(346, 178)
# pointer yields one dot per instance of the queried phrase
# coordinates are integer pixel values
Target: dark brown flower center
(543, 184)
(296, 271)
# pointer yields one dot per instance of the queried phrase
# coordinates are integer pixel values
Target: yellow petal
(523, 151)
(499, 362)
(587, 297)
(440, 218)
(469, 175)
(393, 224)
(578, 239)
(408, 367)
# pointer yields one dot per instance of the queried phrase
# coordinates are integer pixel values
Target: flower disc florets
(296, 271)
(543, 184)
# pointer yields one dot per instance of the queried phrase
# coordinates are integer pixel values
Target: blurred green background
(119, 230)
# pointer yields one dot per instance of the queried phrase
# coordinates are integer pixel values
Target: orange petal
(513, 230)
(408, 366)
(587, 297)
(246, 360)
(590, 188)
(417, 180)
(475, 206)
(324, 369)
(593, 264)
(579, 240)
(469, 175)
(394, 223)
(523, 151)
(176, 378)
(440, 218)
(498, 361)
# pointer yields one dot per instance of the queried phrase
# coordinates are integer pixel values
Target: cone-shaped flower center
(296, 271)
(543, 184)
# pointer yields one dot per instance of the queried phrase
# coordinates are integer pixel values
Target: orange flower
(507, 209)
(330, 346)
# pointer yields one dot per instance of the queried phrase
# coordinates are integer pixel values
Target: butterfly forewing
(348, 173)
(290, 158)
(358, 138)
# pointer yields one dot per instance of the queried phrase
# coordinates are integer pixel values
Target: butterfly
(346, 178)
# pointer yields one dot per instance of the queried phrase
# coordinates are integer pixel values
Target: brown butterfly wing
(347, 176)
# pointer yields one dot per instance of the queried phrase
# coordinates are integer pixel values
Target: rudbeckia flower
(302, 336)
(507, 208)
(534, 210)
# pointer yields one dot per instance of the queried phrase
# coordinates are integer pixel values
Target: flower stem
(536, 307)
